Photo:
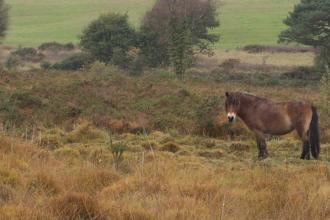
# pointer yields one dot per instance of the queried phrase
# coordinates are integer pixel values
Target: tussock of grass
(170, 147)
(85, 132)
(77, 206)
(215, 154)
(150, 145)
(67, 152)
(43, 183)
(22, 212)
(92, 180)
(239, 147)
(9, 177)
(6, 194)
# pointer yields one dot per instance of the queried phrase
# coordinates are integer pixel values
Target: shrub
(12, 62)
(24, 99)
(28, 54)
(108, 32)
(45, 65)
(117, 150)
(75, 62)
(55, 46)
(121, 58)
(137, 65)
(77, 206)
(256, 48)
(303, 72)
(230, 64)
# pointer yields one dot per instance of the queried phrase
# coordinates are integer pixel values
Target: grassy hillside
(243, 21)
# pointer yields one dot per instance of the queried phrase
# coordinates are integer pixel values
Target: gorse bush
(105, 34)
(75, 62)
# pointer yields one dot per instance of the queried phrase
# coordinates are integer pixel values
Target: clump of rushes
(117, 150)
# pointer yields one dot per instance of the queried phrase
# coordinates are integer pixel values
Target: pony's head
(232, 105)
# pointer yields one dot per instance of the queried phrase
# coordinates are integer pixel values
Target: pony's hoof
(305, 158)
(262, 157)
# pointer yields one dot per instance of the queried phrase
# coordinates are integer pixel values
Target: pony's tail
(314, 137)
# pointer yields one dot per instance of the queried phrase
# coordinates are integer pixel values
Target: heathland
(99, 143)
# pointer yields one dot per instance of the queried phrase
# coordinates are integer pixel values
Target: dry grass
(213, 179)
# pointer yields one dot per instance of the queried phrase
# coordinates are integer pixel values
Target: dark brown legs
(262, 147)
(261, 144)
(306, 151)
(306, 147)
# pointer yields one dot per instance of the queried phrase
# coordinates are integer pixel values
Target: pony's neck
(246, 104)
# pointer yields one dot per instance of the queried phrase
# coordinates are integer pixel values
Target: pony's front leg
(261, 144)
(262, 147)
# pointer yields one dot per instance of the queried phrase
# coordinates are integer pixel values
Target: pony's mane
(251, 96)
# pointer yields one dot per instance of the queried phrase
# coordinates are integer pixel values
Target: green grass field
(242, 21)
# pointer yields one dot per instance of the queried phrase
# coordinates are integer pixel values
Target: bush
(12, 62)
(303, 72)
(121, 58)
(108, 32)
(74, 62)
(255, 48)
(28, 54)
(45, 65)
(55, 46)
(24, 99)
(137, 65)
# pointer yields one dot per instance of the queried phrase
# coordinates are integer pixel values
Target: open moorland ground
(101, 144)
(180, 158)
(243, 22)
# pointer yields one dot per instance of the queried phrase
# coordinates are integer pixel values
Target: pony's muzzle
(231, 119)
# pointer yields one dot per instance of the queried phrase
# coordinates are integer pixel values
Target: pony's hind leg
(306, 147)
(306, 152)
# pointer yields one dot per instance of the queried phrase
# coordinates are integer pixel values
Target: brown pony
(263, 117)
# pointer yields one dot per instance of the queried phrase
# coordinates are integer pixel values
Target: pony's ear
(227, 94)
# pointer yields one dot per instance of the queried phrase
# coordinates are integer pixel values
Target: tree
(107, 34)
(4, 8)
(309, 24)
(177, 28)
